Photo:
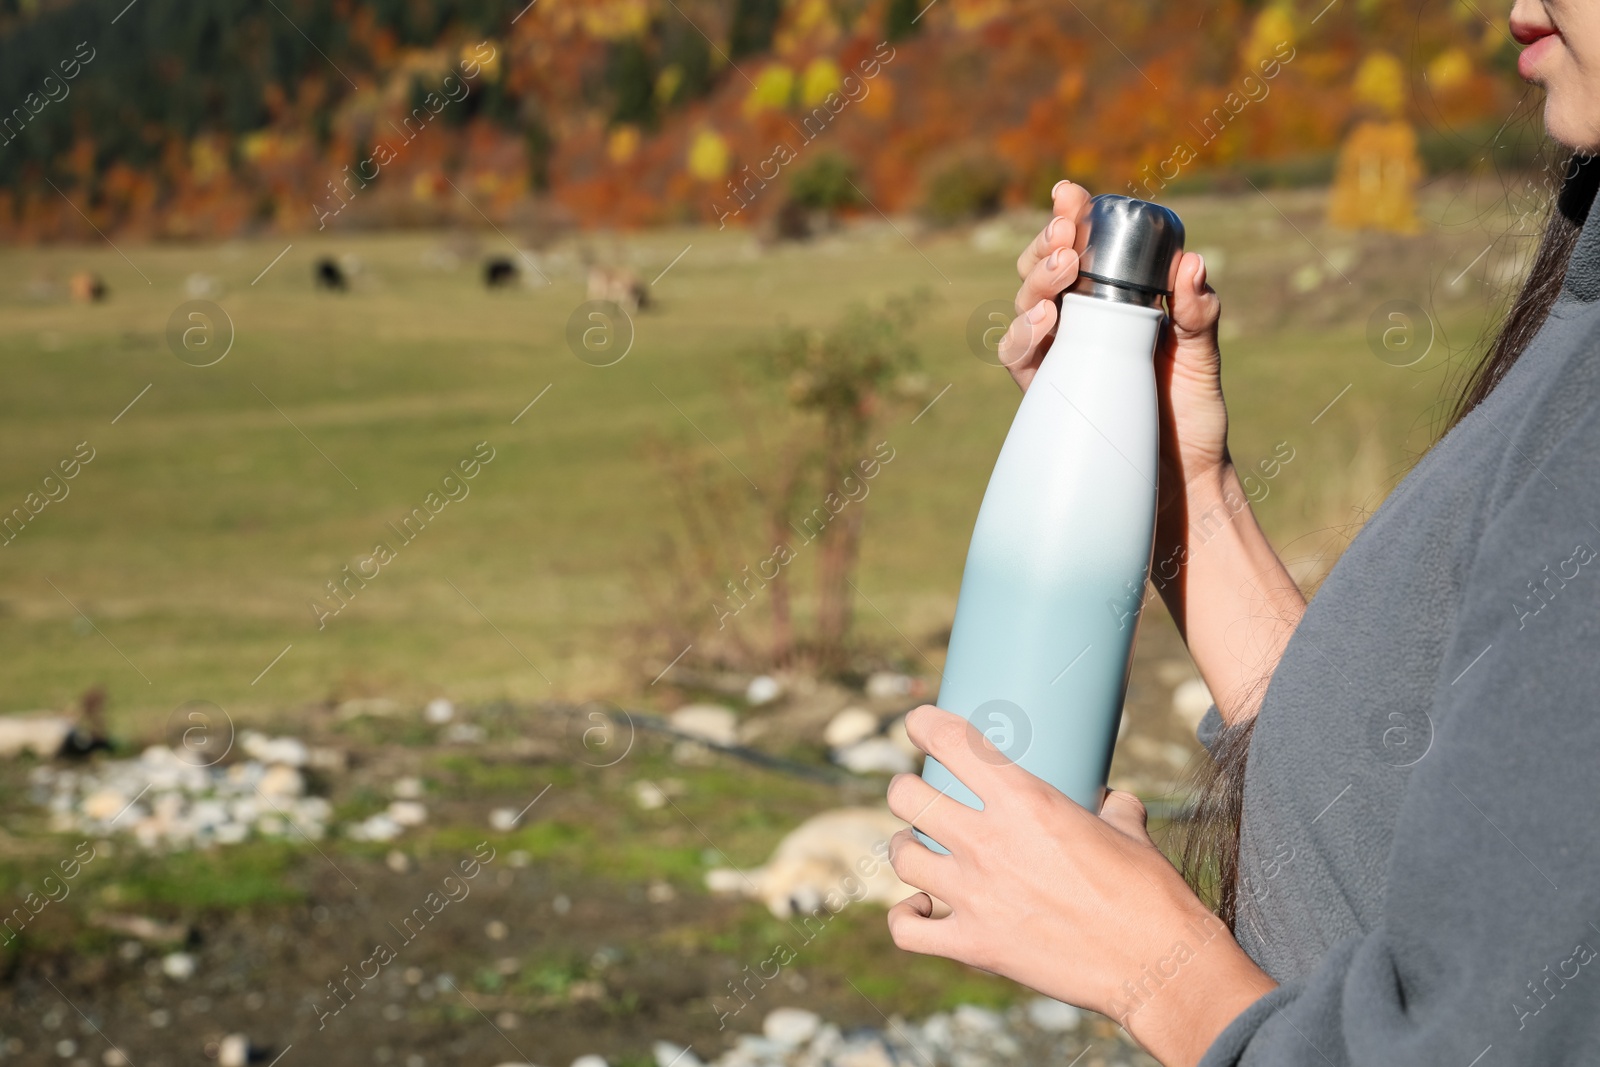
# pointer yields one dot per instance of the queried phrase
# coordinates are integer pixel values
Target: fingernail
(1054, 262)
(1060, 185)
(1200, 273)
(1036, 313)
(1050, 230)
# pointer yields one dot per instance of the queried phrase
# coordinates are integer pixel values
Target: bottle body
(1054, 580)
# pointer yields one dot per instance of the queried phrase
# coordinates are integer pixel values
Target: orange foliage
(1029, 85)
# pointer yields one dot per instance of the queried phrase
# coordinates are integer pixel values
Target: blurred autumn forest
(179, 120)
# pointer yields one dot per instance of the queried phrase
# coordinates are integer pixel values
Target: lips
(1540, 44)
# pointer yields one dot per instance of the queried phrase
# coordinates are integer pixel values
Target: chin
(1579, 132)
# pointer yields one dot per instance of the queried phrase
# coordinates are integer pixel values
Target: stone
(1053, 1016)
(590, 1060)
(976, 1020)
(281, 780)
(503, 819)
(209, 813)
(711, 723)
(373, 706)
(378, 827)
(763, 689)
(496, 930)
(465, 733)
(875, 755)
(886, 685)
(648, 795)
(936, 1031)
(849, 726)
(693, 754)
(439, 711)
(667, 1054)
(314, 809)
(333, 760)
(234, 1051)
(660, 892)
(290, 751)
(897, 733)
(408, 813)
(104, 804)
(178, 965)
(1190, 701)
(398, 862)
(408, 788)
(142, 927)
(864, 1052)
(791, 1027)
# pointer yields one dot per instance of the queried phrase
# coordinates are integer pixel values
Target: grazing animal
(620, 286)
(42, 733)
(499, 272)
(329, 275)
(836, 856)
(87, 287)
(48, 735)
(89, 734)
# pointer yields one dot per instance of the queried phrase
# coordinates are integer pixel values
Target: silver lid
(1128, 250)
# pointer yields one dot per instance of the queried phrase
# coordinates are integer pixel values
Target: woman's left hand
(1080, 906)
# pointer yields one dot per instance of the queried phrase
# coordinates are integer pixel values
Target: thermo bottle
(1043, 636)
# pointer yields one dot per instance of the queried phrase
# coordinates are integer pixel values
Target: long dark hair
(1210, 853)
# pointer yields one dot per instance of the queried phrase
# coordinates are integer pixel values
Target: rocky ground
(496, 885)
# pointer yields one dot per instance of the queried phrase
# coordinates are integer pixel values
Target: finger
(1059, 232)
(1025, 338)
(965, 752)
(1126, 812)
(918, 865)
(1048, 278)
(1195, 304)
(1068, 200)
(912, 929)
(933, 811)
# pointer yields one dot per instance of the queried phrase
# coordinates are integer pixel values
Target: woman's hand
(1080, 906)
(1232, 598)
(1188, 361)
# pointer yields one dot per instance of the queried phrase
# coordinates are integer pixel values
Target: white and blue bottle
(1043, 636)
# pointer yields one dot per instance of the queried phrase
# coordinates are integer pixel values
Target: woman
(1413, 873)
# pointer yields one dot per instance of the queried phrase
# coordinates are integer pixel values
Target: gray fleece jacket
(1420, 846)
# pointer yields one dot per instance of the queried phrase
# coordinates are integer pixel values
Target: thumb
(1196, 307)
(1126, 812)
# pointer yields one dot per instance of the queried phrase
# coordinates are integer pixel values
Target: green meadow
(221, 500)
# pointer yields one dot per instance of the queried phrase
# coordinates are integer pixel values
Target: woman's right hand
(1187, 359)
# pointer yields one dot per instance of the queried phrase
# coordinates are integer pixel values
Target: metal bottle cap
(1128, 250)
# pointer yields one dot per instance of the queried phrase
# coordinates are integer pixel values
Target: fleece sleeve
(1488, 950)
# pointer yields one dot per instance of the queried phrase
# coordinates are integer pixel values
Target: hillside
(171, 119)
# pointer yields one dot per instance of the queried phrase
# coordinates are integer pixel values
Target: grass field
(219, 504)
